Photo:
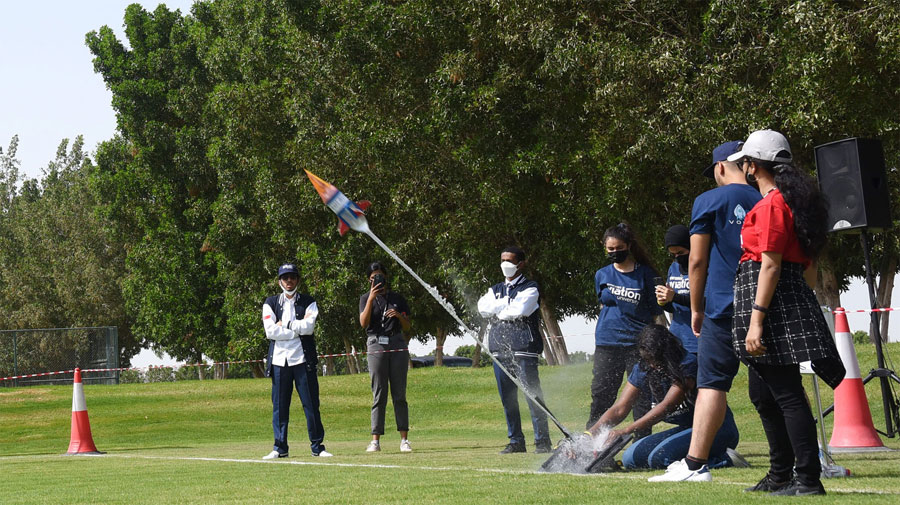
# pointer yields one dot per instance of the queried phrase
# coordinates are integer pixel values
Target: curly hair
(625, 233)
(807, 203)
(661, 353)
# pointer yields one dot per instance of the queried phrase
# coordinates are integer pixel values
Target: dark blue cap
(721, 153)
(288, 268)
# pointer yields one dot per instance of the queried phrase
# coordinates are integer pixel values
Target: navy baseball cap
(288, 268)
(721, 153)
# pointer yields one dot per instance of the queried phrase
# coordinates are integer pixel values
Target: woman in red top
(777, 320)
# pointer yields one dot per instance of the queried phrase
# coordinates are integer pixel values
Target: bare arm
(769, 273)
(614, 415)
(698, 262)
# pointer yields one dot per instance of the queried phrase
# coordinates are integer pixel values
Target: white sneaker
(275, 455)
(679, 472)
(404, 446)
(737, 460)
(374, 446)
(324, 454)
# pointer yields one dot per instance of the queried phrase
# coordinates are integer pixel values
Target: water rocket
(350, 215)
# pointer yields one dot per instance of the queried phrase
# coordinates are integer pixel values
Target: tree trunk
(329, 366)
(549, 353)
(257, 369)
(221, 371)
(476, 357)
(883, 294)
(352, 366)
(827, 291)
(201, 368)
(439, 348)
(548, 314)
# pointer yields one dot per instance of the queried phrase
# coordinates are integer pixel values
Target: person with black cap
(716, 220)
(289, 320)
(675, 294)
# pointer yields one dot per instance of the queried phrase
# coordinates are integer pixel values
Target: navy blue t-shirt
(720, 213)
(684, 414)
(629, 304)
(681, 314)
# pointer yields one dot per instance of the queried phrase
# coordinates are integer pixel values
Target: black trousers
(610, 363)
(778, 395)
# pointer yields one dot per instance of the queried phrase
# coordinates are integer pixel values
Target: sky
(49, 92)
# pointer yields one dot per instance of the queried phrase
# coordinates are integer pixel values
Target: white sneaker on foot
(679, 472)
(275, 454)
(404, 446)
(324, 454)
(737, 460)
(374, 446)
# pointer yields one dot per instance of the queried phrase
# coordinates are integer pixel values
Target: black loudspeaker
(851, 175)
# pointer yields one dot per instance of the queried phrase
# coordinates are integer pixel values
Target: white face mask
(509, 268)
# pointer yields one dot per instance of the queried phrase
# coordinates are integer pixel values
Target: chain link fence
(34, 351)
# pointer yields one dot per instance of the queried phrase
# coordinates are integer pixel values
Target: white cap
(766, 145)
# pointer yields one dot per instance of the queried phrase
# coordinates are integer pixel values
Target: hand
(376, 290)
(279, 323)
(753, 342)
(614, 435)
(664, 294)
(696, 322)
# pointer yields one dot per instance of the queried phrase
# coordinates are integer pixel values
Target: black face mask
(751, 180)
(682, 260)
(617, 256)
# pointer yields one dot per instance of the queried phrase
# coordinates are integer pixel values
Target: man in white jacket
(289, 320)
(515, 340)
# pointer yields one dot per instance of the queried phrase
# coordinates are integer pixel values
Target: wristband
(760, 308)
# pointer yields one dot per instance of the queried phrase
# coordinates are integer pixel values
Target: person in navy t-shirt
(625, 290)
(675, 294)
(667, 373)
(716, 221)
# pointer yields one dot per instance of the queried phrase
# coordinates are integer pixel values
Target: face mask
(286, 292)
(751, 179)
(509, 269)
(682, 261)
(617, 256)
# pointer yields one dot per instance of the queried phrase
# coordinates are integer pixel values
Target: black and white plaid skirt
(794, 329)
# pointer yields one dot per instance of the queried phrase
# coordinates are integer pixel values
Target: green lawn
(200, 442)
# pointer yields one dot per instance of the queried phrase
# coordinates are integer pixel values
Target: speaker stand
(885, 375)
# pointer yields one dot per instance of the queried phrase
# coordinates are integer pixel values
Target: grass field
(201, 442)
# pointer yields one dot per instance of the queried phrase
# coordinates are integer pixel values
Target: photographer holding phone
(675, 294)
(385, 316)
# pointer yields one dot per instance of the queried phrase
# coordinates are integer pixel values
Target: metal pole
(875, 329)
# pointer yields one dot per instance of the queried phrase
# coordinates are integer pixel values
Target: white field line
(614, 475)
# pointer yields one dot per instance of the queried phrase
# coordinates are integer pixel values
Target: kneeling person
(668, 374)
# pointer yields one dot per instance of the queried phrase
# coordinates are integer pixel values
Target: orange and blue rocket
(350, 215)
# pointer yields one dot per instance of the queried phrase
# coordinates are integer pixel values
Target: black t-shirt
(379, 325)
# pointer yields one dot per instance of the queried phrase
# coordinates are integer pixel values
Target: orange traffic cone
(81, 442)
(853, 427)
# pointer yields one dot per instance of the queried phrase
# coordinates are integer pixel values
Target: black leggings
(778, 395)
(610, 362)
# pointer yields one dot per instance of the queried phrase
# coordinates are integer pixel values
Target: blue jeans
(284, 379)
(663, 448)
(526, 370)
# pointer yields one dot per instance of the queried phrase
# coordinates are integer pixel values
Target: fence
(33, 351)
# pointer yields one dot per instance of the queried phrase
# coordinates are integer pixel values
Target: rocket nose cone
(322, 187)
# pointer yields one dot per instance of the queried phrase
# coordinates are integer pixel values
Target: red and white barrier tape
(151, 367)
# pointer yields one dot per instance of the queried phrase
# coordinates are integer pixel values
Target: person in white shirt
(515, 340)
(289, 320)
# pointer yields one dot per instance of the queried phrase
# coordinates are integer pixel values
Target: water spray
(351, 215)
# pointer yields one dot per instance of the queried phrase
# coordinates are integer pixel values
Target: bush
(580, 357)
(468, 351)
(860, 337)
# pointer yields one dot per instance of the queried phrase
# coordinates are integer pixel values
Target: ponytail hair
(806, 202)
(625, 233)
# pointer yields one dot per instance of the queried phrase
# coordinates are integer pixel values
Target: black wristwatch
(760, 308)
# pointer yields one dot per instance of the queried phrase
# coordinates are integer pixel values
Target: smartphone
(658, 281)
